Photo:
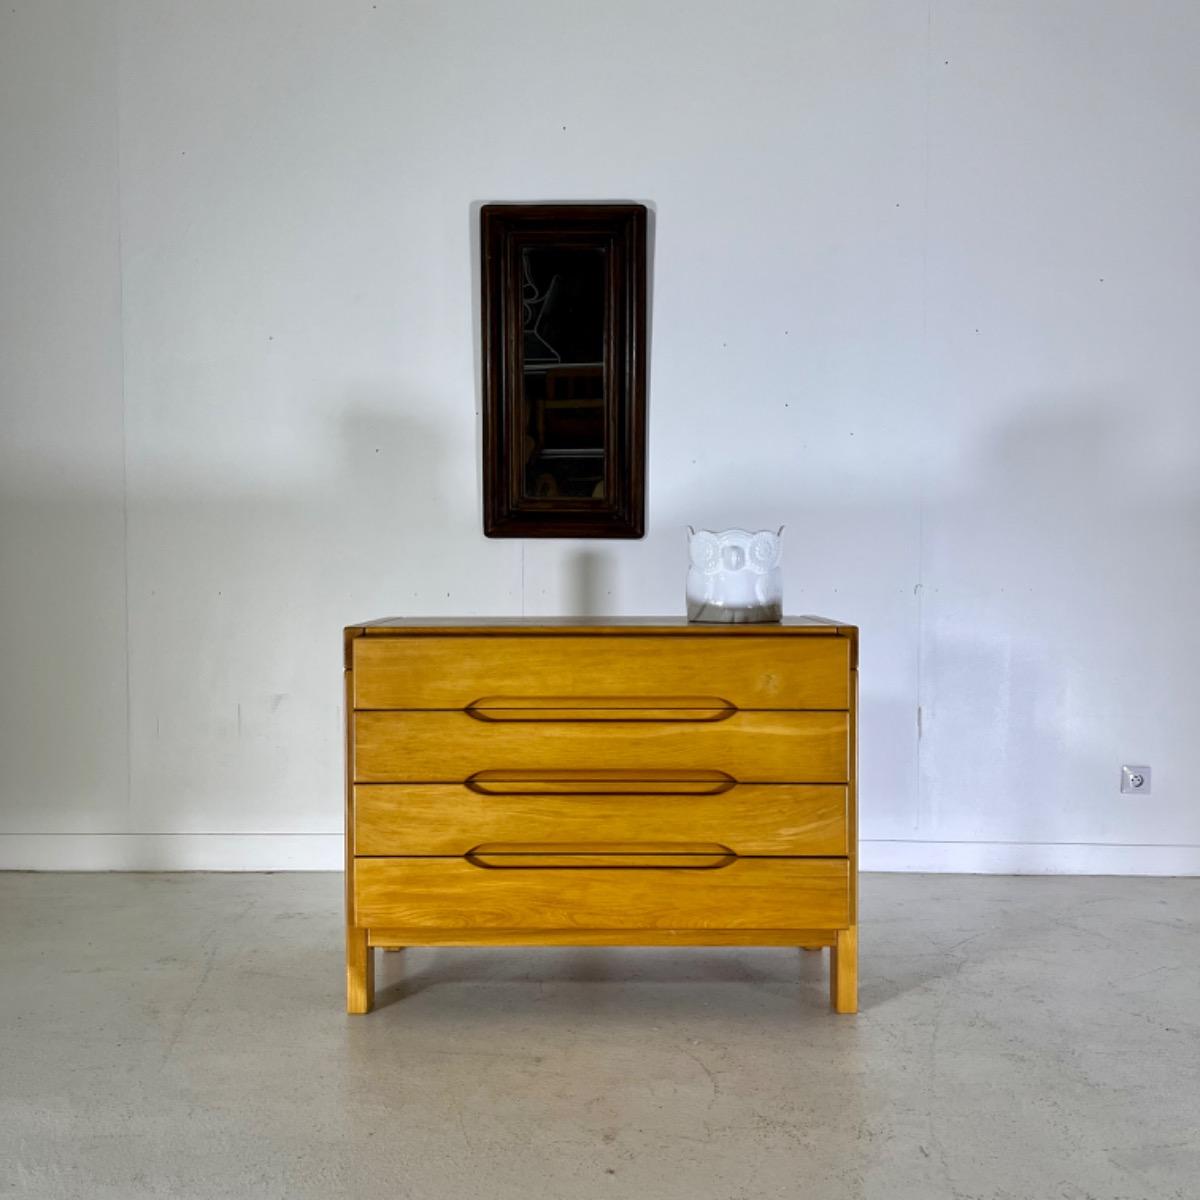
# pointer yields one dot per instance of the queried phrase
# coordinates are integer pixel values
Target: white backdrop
(925, 287)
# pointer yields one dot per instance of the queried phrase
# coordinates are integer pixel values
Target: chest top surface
(385, 626)
(811, 626)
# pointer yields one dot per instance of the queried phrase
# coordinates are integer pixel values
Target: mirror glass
(563, 364)
(564, 327)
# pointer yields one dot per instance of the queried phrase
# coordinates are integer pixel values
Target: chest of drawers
(600, 782)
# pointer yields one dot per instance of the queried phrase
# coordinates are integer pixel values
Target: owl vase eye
(705, 552)
(764, 552)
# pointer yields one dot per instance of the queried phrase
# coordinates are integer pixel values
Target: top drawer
(785, 671)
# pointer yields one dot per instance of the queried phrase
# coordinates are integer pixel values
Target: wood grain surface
(450, 747)
(453, 672)
(750, 893)
(453, 818)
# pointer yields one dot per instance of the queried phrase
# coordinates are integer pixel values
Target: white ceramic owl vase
(734, 575)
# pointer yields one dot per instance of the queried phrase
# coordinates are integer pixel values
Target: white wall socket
(1135, 780)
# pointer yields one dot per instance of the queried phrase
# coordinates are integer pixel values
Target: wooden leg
(360, 971)
(843, 971)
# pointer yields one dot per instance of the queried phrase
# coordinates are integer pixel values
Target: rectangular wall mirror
(564, 369)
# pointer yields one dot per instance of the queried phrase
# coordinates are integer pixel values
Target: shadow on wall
(1029, 672)
(63, 731)
(590, 576)
(236, 596)
(1005, 570)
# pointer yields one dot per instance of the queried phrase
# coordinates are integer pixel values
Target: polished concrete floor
(182, 1036)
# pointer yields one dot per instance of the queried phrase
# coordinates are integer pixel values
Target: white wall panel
(924, 286)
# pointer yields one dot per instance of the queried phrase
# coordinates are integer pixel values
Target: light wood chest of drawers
(607, 782)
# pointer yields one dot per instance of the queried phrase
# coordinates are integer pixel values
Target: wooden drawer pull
(600, 783)
(601, 708)
(516, 857)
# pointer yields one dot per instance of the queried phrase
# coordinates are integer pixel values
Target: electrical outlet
(1135, 781)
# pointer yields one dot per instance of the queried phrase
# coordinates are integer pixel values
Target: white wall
(925, 287)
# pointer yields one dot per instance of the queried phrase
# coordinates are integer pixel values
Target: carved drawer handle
(517, 856)
(601, 708)
(600, 783)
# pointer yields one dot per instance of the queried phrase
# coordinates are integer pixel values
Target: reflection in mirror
(563, 337)
(563, 352)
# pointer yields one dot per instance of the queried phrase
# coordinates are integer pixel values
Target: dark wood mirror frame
(512, 506)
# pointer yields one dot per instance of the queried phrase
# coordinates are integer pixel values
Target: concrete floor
(182, 1036)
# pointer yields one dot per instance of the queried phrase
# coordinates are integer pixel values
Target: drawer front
(454, 818)
(455, 893)
(743, 670)
(749, 747)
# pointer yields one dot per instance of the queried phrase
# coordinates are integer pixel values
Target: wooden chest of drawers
(607, 782)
